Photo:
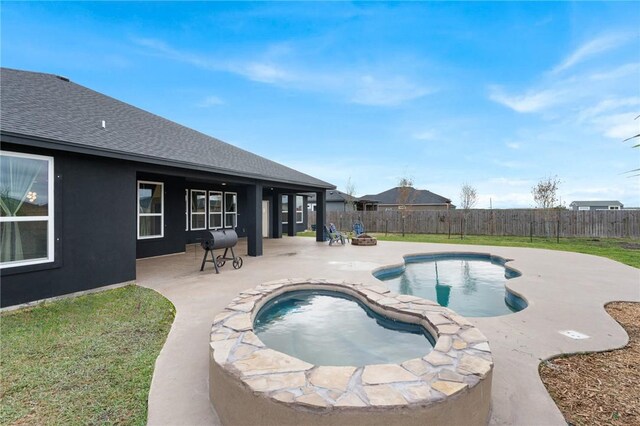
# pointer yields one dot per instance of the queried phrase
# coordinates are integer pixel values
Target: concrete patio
(565, 291)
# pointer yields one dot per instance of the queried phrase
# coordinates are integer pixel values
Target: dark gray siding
(95, 228)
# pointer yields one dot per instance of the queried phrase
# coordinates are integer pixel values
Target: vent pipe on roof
(104, 124)
(62, 78)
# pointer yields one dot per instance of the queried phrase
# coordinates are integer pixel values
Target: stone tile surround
(460, 360)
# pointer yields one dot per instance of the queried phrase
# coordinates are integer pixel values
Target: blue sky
(498, 95)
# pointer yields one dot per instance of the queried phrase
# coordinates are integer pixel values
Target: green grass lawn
(83, 360)
(626, 251)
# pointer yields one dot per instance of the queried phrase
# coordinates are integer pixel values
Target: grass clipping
(600, 388)
(84, 360)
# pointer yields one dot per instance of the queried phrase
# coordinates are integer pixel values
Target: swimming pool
(471, 284)
(331, 328)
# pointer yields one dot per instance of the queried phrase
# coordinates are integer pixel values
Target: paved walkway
(565, 291)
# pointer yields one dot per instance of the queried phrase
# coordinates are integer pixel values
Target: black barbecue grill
(222, 239)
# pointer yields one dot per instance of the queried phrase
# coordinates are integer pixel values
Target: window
(584, 208)
(26, 205)
(215, 209)
(299, 210)
(614, 207)
(150, 210)
(186, 209)
(230, 209)
(285, 209)
(198, 209)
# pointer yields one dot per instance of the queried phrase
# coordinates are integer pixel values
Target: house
(596, 205)
(338, 201)
(89, 184)
(409, 198)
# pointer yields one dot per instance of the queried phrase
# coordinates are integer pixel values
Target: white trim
(50, 218)
(301, 208)
(191, 192)
(583, 208)
(161, 214)
(234, 213)
(282, 210)
(186, 209)
(220, 213)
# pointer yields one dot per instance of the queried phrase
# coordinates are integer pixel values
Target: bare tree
(545, 193)
(468, 199)
(405, 186)
(350, 190)
(636, 171)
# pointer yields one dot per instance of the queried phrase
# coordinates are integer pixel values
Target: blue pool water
(471, 285)
(331, 328)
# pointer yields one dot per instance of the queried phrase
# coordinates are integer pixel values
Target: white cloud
(426, 135)
(618, 126)
(513, 145)
(210, 101)
(510, 164)
(386, 92)
(276, 66)
(590, 49)
(532, 101)
(619, 72)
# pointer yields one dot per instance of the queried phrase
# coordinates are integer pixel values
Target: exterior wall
(305, 219)
(339, 206)
(591, 208)
(383, 207)
(95, 230)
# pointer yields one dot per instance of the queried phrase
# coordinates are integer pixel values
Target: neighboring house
(89, 184)
(410, 199)
(338, 201)
(596, 205)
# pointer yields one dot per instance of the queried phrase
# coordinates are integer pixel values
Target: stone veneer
(243, 371)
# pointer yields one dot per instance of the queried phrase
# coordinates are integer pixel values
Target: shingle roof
(50, 107)
(415, 196)
(596, 203)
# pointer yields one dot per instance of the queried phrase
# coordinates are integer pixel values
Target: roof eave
(40, 142)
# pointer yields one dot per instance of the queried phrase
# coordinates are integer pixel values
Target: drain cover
(574, 334)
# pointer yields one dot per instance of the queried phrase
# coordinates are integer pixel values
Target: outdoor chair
(358, 228)
(333, 235)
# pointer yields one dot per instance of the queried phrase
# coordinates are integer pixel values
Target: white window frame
(221, 213)
(584, 208)
(191, 192)
(49, 218)
(301, 205)
(186, 209)
(614, 207)
(161, 214)
(283, 210)
(235, 213)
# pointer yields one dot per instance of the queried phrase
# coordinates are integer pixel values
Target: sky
(495, 95)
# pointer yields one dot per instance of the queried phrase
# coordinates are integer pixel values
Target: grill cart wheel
(237, 263)
(220, 261)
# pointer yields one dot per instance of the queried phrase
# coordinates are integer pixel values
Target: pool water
(331, 328)
(473, 286)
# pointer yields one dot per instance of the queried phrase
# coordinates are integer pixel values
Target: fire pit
(364, 240)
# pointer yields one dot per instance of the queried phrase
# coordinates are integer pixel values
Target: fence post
(386, 227)
(402, 226)
(531, 231)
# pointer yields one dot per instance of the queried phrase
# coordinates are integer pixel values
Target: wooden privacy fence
(534, 222)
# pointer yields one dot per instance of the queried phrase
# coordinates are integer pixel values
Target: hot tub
(251, 383)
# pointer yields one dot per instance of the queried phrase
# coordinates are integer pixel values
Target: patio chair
(358, 227)
(332, 234)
